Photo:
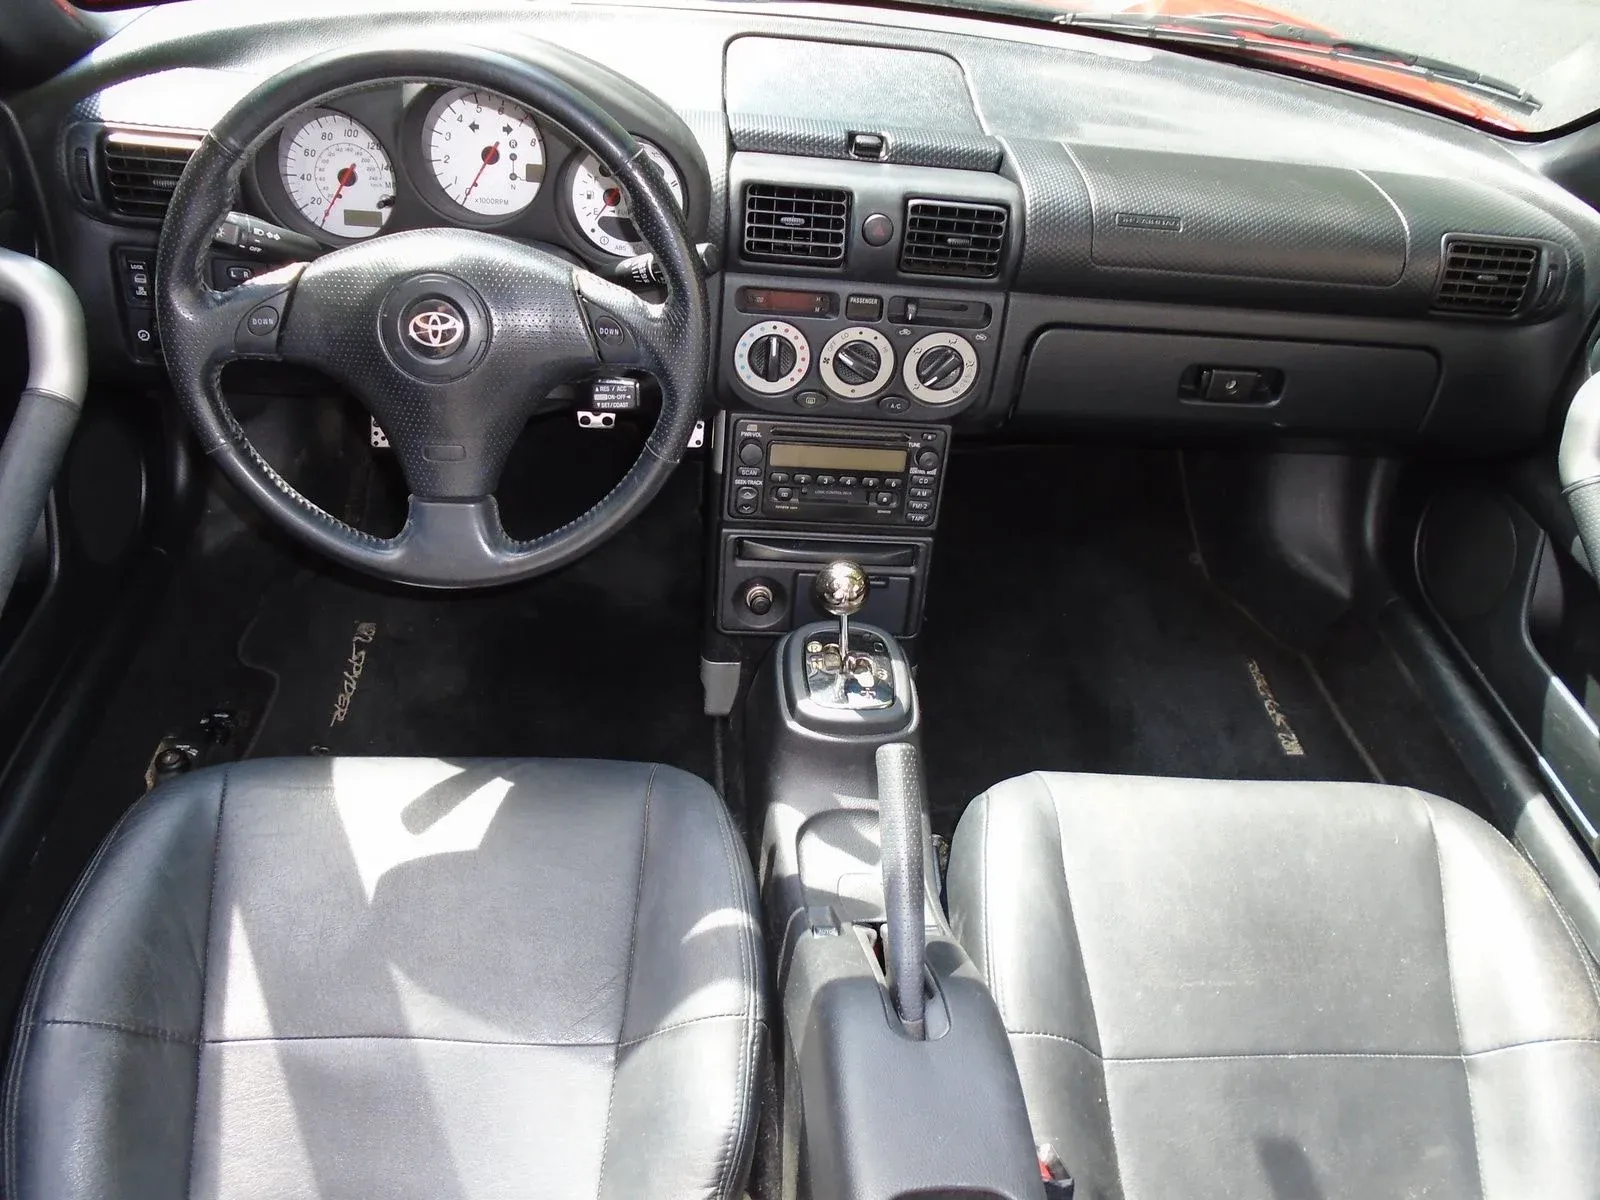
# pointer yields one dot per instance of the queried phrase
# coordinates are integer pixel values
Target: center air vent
(946, 237)
(795, 224)
(139, 170)
(1486, 277)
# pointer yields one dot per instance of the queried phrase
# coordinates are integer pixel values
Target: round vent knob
(772, 357)
(856, 363)
(939, 368)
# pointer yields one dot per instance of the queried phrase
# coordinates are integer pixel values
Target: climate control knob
(940, 368)
(771, 357)
(856, 362)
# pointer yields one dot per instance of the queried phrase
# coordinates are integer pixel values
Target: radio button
(893, 483)
(917, 506)
(750, 454)
(826, 480)
(919, 518)
(884, 499)
(749, 472)
(869, 481)
(928, 460)
(783, 494)
(922, 493)
(802, 477)
(778, 477)
(848, 480)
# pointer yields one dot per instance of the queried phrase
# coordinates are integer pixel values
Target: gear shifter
(841, 590)
(853, 672)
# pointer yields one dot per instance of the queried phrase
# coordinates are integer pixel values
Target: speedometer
(337, 173)
(602, 209)
(485, 151)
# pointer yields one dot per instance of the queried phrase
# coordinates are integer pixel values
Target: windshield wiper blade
(1274, 38)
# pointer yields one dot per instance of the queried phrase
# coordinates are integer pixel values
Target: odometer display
(485, 151)
(602, 210)
(337, 174)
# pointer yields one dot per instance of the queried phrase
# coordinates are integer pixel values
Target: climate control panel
(857, 351)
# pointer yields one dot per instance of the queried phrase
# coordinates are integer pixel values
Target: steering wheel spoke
(244, 322)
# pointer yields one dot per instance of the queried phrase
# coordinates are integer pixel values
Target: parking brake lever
(900, 836)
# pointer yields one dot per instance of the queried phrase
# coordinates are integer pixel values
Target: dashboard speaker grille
(795, 224)
(945, 237)
(139, 171)
(1491, 278)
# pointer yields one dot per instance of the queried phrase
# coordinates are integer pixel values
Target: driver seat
(398, 978)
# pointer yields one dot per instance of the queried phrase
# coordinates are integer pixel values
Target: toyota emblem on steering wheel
(436, 329)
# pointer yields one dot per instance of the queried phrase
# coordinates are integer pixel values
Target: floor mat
(599, 660)
(1071, 627)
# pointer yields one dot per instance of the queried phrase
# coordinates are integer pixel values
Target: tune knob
(771, 357)
(856, 363)
(939, 368)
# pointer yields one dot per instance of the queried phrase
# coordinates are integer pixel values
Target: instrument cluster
(411, 156)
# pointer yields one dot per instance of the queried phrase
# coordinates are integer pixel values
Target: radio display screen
(836, 458)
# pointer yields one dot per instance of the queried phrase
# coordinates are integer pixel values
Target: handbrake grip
(900, 835)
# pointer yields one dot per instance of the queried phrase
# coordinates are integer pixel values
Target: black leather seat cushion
(398, 978)
(1281, 990)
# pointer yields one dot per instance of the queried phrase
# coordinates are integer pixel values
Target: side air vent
(795, 224)
(139, 170)
(945, 237)
(1486, 278)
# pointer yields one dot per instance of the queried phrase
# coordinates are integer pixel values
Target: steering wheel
(449, 337)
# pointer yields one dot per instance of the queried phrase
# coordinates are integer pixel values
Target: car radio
(834, 473)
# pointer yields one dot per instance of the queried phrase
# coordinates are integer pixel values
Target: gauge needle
(346, 177)
(491, 155)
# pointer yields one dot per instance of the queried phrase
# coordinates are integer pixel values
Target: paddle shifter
(855, 670)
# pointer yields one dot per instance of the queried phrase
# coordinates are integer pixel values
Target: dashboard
(918, 219)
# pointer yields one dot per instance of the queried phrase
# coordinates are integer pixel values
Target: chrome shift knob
(841, 588)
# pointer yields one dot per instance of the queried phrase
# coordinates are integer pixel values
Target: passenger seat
(1275, 990)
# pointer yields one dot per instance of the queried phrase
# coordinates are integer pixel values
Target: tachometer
(602, 210)
(485, 151)
(336, 173)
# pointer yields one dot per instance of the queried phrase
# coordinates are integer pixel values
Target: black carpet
(1071, 627)
(600, 660)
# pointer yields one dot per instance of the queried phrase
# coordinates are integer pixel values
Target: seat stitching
(749, 961)
(989, 970)
(153, 1032)
(627, 981)
(1072, 916)
(205, 964)
(1566, 923)
(35, 991)
(1450, 979)
(1396, 1054)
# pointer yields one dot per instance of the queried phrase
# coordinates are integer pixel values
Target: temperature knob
(941, 368)
(772, 357)
(856, 362)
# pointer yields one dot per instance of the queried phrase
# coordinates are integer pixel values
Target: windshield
(1520, 65)
(1523, 66)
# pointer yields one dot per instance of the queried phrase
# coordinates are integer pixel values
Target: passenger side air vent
(795, 224)
(1486, 278)
(945, 237)
(139, 170)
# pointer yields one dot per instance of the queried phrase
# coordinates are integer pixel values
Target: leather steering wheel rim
(536, 311)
